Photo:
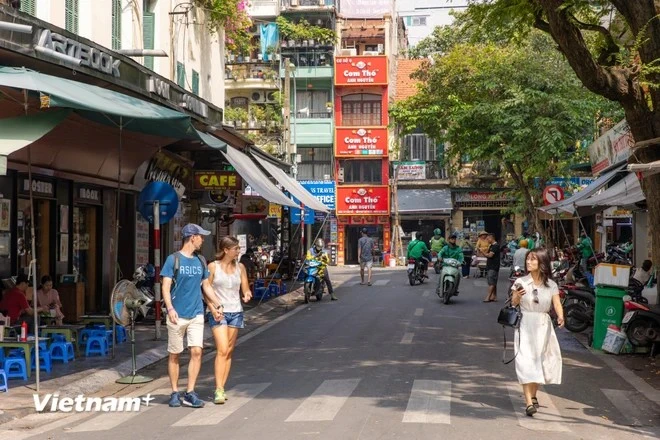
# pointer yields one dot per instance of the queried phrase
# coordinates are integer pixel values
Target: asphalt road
(386, 361)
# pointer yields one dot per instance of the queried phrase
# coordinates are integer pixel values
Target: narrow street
(386, 361)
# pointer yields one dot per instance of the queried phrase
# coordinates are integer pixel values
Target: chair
(3, 381)
(13, 366)
(61, 350)
(45, 362)
(97, 343)
(84, 335)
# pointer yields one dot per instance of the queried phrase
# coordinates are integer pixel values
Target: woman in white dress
(228, 277)
(538, 358)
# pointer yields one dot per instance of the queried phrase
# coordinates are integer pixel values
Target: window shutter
(71, 16)
(181, 75)
(195, 82)
(148, 32)
(28, 6)
(116, 24)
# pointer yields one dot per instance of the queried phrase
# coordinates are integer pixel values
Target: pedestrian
(183, 273)
(586, 248)
(520, 256)
(228, 279)
(538, 357)
(482, 244)
(492, 267)
(365, 255)
(316, 253)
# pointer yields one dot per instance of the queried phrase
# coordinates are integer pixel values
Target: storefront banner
(616, 212)
(357, 200)
(353, 142)
(368, 70)
(323, 190)
(569, 184)
(274, 210)
(216, 180)
(481, 196)
(165, 167)
(410, 170)
(365, 8)
(611, 148)
(255, 205)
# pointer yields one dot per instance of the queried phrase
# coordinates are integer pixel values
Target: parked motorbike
(506, 259)
(314, 284)
(437, 262)
(641, 323)
(449, 279)
(579, 307)
(516, 273)
(617, 255)
(144, 278)
(415, 271)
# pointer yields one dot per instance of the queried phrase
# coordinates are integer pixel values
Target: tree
(497, 102)
(613, 46)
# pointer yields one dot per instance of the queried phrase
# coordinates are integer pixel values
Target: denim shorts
(229, 319)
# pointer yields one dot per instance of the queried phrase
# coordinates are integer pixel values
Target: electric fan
(125, 302)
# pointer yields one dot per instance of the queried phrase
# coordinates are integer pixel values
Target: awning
(568, 205)
(212, 141)
(291, 185)
(257, 180)
(625, 192)
(424, 201)
(21, 131)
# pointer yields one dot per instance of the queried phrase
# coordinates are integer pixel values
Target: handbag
(509, 316)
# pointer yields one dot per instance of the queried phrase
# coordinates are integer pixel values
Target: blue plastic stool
(15, 368)
(273, 290)
(3, 385)
(283, 289)
(84, 335)
(97, 345)
(260, 293)
(100, 331)
(45, 362)
(259, 283)
(61, 351)
(121, 334)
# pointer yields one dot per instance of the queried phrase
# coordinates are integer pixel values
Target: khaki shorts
(193, 328)
(367, 264)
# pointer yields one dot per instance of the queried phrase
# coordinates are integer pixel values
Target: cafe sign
(360, 142)
(368, 70)
(358, 200)
(216, 180)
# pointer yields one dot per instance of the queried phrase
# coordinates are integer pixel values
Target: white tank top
(228, 288)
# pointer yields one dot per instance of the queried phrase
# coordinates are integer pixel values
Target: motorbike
(641, 324)
(313, 282)
(507, 254)
(579, 307)
(516, 273)
(415, 271)
(449, 279)
(437, 262)
(144, 278)
(616, 255)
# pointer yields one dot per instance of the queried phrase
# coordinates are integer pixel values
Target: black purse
(509, 316)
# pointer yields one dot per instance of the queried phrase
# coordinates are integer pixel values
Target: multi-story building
(421, 17)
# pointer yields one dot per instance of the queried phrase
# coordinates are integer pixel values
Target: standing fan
(125, 302)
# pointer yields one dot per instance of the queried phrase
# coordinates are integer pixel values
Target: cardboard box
(606, 274)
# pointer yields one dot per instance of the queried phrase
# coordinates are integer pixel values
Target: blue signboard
(323, 190)
(295, 214)
(567, 183)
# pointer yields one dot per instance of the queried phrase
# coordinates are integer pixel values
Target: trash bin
(609, 311)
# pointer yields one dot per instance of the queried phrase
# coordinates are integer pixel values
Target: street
(386, 361)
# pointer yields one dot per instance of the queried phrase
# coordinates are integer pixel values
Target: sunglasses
(535, 292)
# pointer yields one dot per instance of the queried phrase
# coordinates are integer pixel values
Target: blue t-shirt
(186, 292)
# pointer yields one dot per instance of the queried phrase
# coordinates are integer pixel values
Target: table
(97, 319)
(70, 332)
(25, 345)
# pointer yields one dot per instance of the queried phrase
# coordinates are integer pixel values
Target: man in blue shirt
(183, 273)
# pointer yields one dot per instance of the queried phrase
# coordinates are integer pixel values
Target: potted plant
(328, 106)
(260, 56)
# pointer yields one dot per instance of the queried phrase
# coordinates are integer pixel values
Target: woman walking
(228, 279)
(538, 358)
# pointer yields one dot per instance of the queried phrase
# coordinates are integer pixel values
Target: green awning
(21, 131)
(212, 141)
(101, 105)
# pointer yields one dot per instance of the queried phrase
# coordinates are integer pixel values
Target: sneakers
(219, 396)
(333, 297)
(175, 400)
(191, 399)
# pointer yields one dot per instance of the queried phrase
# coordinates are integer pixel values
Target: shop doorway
(353, 234)
(87, 255)
(485, 220)
(43, 231)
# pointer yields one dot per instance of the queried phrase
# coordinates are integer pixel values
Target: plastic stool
(273, 290)
(259, 283)
(260, 293)
(3, 384)
(102, 332)
(15, 368)
(97, 345)
(84, 335)
(45, 362)
(121, 334)
(61, 351)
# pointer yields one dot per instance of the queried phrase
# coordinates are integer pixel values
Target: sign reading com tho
(361, 141)
(371, 200)
(368, 70)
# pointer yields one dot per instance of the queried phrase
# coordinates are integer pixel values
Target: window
(181, 75)
(419, 146)
(362, 109)
(148, 31)
(362, 171)
(71, 16)
(116, 24)
(315, 163)
(29, 6)
(312, 104)
(418, 21)
(195, 82)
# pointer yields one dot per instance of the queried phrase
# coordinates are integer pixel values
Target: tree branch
(606, 57)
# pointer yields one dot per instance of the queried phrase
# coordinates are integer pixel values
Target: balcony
(312, 129)
(258, 75)
(310, 64)
(264, 8)
(292, 5)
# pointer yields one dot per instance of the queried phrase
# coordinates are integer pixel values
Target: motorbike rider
(418, 250)
(315, 253)
(451, 250)
(437, 242)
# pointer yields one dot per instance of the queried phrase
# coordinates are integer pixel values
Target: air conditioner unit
(271, 98)
(370, 52)
(348, 52)
(340, 175)
(258, 97)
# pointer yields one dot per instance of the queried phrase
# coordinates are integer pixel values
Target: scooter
(450, 277)
(641, 324)
(314, 284)
(579, 306)
(415, 272)
(143, 278)
(437, 263)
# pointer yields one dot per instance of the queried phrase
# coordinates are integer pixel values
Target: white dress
(538, 357)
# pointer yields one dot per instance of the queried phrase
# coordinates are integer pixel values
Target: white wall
(438, 16)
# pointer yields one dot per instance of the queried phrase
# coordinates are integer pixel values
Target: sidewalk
(88, 375)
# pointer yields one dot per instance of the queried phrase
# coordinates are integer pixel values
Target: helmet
(437, 231)
(523, 243)
(319, 244)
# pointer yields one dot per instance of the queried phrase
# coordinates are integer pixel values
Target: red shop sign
(370, 200)
(361, 141)
(368, 70)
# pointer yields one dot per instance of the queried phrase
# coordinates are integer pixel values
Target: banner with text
(361, 142)
(372, 200)
(368, 70)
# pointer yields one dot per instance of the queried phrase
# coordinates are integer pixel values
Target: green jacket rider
(417, 248)
(437, 242)
(451, 250)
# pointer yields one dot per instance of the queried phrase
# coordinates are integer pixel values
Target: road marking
(419, 312)
(381, 282)
(429, 402)
(106, 421)
(213, 414)
(325, 402)
(546, 419)
(407, 338)
(624, 401)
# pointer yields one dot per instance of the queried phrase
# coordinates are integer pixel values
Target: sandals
(530, 410)
(535, 402)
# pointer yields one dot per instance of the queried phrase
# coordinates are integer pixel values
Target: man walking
(365, 255)
(492, 267)
(183, 273)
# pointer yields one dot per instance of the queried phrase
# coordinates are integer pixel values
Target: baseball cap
(193, 229)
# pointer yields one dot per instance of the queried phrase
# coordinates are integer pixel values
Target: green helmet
(437, 231)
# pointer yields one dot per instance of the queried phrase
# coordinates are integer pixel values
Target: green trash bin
(609, 310)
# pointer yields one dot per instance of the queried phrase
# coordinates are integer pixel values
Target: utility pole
(396, 235)
(287, 110)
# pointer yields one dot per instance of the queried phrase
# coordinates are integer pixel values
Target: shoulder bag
(509, 316)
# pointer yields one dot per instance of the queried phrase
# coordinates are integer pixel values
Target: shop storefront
(477, 211)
